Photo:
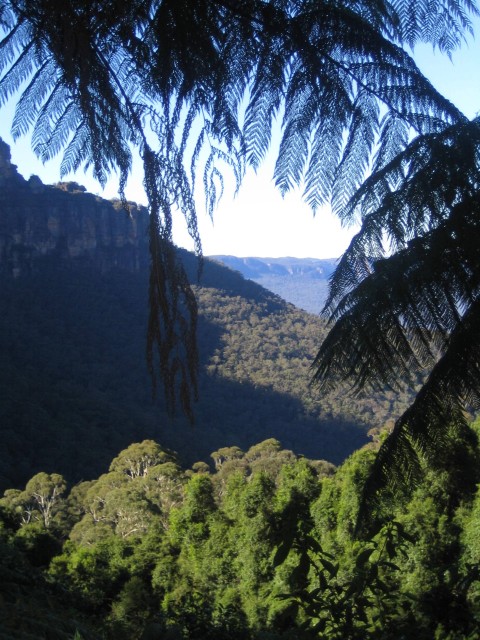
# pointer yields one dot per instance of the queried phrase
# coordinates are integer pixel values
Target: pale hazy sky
(258, 222)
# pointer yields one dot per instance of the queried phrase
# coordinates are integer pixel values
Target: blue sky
(258, 222)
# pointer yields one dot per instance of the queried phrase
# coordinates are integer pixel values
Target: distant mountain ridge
(301, 281)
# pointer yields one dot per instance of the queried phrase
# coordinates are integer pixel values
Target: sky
(258, 221)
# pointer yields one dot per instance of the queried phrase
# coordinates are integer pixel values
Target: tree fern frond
(199, 145)
(424, 429)
(392, 140)
(76, 153)
(172, 324)
(173, 310)
(212, 177)
(225, 123)
(7, 18)
(215, 188)
(425, 186)
(52, 109)
(19, 72)
(410, 14)
(324, 158)
(13, 43)
(260, 114)
(52, 131)
(266, 92)
(294, 146)
(335, 108)
(30, 102)
(403, 310)
(234, 162)
(369, 343)
(190, 117)
(443, 23)
(416, 308)
(355, 160)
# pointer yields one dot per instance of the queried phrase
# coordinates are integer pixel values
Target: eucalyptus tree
(197, 87)
(40, 501)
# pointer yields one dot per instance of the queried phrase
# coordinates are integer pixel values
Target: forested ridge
(258, 544)
(75, 386)
(250, 540)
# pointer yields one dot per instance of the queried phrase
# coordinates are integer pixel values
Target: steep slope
(74, 388)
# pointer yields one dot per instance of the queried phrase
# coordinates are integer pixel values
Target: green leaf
(322, 580)
(314, 545)
(389, 565)
(283, 596)
(320, 625)
(281, 554)
(382, 586)
(363, 558)
(330, 567)
(301, 570)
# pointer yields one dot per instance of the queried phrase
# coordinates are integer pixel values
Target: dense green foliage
(74, 387)
(263, 546)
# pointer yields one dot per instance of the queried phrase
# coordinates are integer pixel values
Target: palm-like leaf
(418, 308)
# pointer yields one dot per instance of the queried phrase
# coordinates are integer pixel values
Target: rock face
(65, 221)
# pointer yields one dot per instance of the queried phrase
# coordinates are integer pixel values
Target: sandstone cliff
(63, 220)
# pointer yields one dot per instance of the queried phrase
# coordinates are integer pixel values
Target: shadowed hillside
(74, 387)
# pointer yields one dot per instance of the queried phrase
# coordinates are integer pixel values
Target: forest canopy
(260, 546)
(196, 88)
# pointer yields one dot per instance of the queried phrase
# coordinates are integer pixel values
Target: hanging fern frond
(442, 23)
(396, 314)
(76, 153)
(171, 332)
(358, 150)
(326, 148)
(266, 95)
(397, 318)
(426, 428)
(424, 188)
(171, 336)
(28, 106)
(56, 120)
(300, 110)
(14, 42)
(392, 140)
(17, 74)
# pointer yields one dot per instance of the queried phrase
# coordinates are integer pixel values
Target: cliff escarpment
(63, 220)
